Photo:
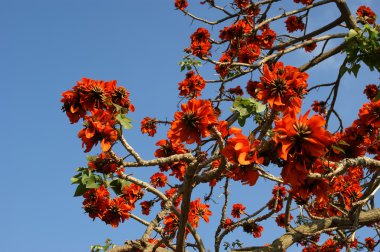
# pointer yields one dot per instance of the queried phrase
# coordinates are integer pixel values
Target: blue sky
(45, 47)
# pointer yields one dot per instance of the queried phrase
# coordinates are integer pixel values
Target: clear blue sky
(45, 47)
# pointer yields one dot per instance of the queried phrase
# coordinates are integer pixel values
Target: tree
(324, 187)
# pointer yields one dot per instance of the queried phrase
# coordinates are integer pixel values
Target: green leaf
(377, 97)
(81, 189)
(118, 184)
(338, 148)
(91, 158)
(76, 179)
(124, 121)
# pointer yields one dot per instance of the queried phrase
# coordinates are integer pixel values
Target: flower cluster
(149, 126)
(193, 122)
(192, 85)
(282, 87)
(366, 15)
(97, 204)
(200, 43)
(181, 4)
(102, 100)
(294, 23)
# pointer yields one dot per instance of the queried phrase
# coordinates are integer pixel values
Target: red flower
(239, 150)
(236, 30)
(223, 70)
(197, 211)
(158, 179)
(132, 193)
(170, 194)
(266, 39)
(146, 206)
(305, 137)
(104, 163)
(366, 15)
(227, 223)
(371, 91)
(98, 127)
(236, 91)
(280, 220)
(181, 4)
(319, 107)
(171, 222)
(193, 122)
(96, 201)
(149, 126)
(282, 87)
(242, 3)
(369, 114)
(237, 210)
(192, 85)
(95, 93)
(200, 43)
(294, 23)
(248, 53)
(168, 148)
(370, 243)
(310, 47)
(72, 106)
(304, 2)
(120, 96)
(253, 229)
(117, 211)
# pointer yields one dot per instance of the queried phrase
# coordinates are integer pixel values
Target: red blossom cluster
(200, 43)
(194, 121)
(192, 85)
(294, 23)
(237, 210)
(104, 163)
(366, 15)
(181, 4)
(310, 47)
(168, 148)
(149, 126)
(304, 2)
(102, 100)
(282, 87)
(97, 204)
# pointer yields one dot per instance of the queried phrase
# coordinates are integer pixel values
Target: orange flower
(282, 87)
(132, 193)
(149, 126)
(117, 211)
(305, 137)
(193, 122)
(280, 220)
(146, 206)
(369, 114)
(253, 229)
(294, 23)
(120, 96)
(158, 179)
(248, 53)
(181, 4)
(192, 85)
(72, 106)
(197, 211)
(200, 44)
(239, 150)
(104, 163)
(98, 127)
(95, 93)
(366, 14)
(237, 210)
